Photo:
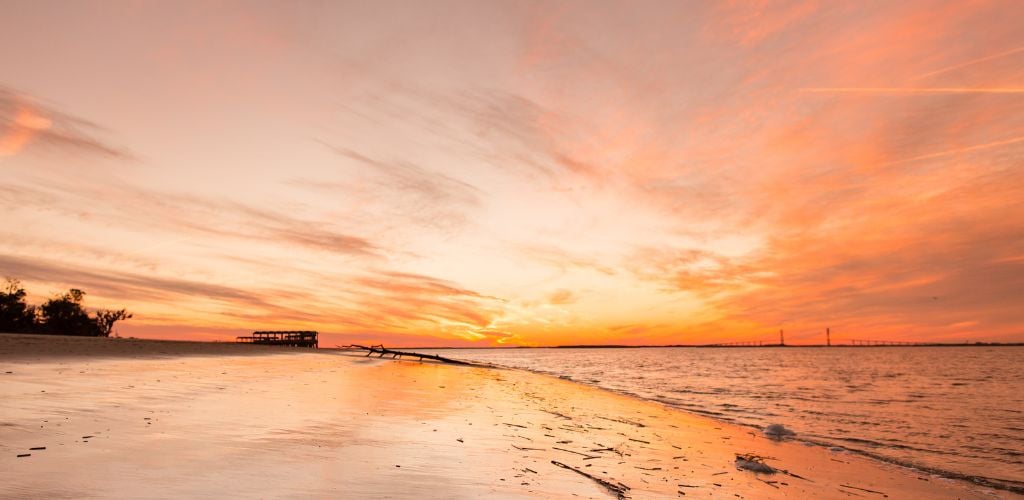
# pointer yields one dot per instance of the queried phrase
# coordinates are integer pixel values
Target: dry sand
(149, 419)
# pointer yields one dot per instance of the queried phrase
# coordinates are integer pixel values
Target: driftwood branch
(619, 490)
(381, 351)
(576, 452)
(528, 449)
(622, 421)
(557, 414)
(862, 489)
(757, 465)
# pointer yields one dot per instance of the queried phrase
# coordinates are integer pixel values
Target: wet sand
(149, 419)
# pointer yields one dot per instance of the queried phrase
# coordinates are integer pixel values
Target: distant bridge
(743, 343)
(884, 342)
(852, 342)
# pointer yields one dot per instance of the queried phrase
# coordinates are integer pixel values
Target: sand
(150, 419)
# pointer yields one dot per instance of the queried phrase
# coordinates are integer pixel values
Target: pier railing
(283, 338)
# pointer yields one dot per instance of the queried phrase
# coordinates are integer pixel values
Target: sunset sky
(520, 173)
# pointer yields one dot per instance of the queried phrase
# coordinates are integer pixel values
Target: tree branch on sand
(619, 490)
(381, 351)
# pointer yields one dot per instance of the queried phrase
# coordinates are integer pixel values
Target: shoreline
(986, 482)
(21, 346)
(365, 420)
(717, 346)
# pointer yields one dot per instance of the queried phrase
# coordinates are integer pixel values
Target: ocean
(952, 411)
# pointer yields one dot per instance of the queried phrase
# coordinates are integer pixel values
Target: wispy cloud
(957, 151)
(966, 64)
(913, 90)
(118, 284)
(182, 212)
(26, 122)
(562, 259)
(401, 188)
(562, 296)
(387, 303)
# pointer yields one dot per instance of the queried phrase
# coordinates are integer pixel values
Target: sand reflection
(330, 425)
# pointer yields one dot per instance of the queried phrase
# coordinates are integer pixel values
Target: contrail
(968, 63)
(956, 151)
(912, 90)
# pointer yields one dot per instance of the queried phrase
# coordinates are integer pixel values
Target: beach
(954, 411)
(155, 419)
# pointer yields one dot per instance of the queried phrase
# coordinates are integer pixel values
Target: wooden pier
(285, 338)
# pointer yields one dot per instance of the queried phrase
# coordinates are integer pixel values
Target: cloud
(415, 299)
(178, 213)
(698, 271)
(435, 186)
(496, 130)
(399, 188)
(562, 259)
(350, 298)
(801, 185)
(913, 90)
(944, 267)
(374, 305)
(27, 123)
(972, 62)
(665, 171)
(882, 214)
(633, 330)
(753, 23)
(122, 284)
(274, 227)
(562, 297)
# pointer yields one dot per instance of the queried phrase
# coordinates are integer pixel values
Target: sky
(520, 173)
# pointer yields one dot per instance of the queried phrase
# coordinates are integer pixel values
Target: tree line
(61, 315)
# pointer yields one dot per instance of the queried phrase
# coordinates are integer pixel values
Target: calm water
(957, 411)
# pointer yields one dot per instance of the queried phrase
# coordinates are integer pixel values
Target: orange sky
(535, 173)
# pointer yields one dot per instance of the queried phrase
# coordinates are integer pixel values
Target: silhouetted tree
(105, 320)
(61, 315)
(64, 315)
(15, 315)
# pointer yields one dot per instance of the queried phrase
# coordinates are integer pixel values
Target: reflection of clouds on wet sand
(174, 420)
